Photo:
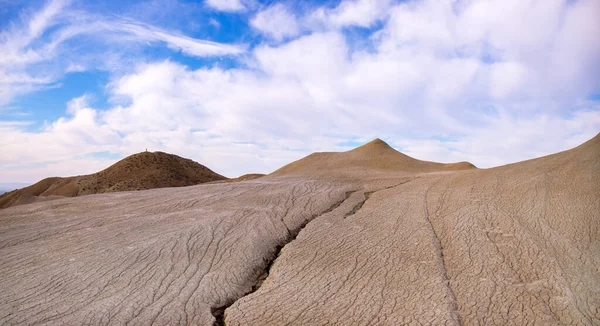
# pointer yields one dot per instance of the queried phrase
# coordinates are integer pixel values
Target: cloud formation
(276, 22)
(48, 44)
(363, 13)
(491, 82)
(226, 5)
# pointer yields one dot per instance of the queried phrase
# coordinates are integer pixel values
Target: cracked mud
(513, 245)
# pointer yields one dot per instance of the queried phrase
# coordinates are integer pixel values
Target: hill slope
(512, 245)
(375, 155)
(516, 244)
(146, 170)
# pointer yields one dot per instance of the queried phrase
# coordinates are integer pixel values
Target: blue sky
(246, 86)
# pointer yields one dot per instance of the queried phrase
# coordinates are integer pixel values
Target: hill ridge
(374, 155)
(139, 171)
(376, 143)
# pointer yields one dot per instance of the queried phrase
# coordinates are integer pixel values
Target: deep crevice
(368, 194)
(219, 311)
(219, 314)
(358, 206)
(439, 249)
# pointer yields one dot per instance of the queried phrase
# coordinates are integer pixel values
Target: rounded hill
(146, 170)
(374, 155)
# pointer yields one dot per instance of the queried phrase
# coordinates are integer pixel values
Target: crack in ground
(219, 311)
(368, 194)
(439, 250)
(358, 206)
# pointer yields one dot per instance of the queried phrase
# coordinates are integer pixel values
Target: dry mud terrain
(366, 237)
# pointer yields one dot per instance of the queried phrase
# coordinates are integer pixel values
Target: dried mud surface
(513, 245)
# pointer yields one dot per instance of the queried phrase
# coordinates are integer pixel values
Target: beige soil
(245, 177)
(366, 237)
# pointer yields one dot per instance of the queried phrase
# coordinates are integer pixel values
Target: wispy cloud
(191, 46)
(226, 5)
(36, 52)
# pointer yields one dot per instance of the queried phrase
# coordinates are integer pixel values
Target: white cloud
(440, 80)
(521, 46)
(215, 23)
(76, 67)
(36, 26)
(574, 54)
(362, 13)
(276, 22)
(226, 5)
(509, 139)
(188, 45)
(17, 54)
(314, 58)
(77, 104)
(38, 52)
(506, 78)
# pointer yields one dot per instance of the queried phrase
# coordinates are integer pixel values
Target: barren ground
(517, 244)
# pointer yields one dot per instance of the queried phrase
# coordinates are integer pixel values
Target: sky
(247, 86)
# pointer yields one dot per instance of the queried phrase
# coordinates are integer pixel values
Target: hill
(511, 245)
(10, 186)
(146, 170)
(245, 177)
(375, 155)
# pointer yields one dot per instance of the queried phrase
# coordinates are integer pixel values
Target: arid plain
(365, 237)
